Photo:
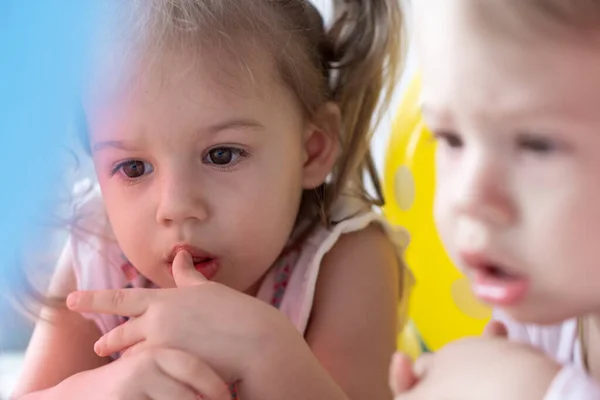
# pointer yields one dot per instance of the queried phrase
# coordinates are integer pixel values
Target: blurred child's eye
(450, 139)
(134, 169)
(536, 144)
(224, 156)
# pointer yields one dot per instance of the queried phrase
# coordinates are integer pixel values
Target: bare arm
(62, 342)
(352, 333)
(353, 330)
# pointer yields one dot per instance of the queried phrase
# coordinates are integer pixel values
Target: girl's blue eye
(134, 169)
(223, 156)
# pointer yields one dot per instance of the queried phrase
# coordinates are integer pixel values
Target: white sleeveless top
(561, 343)
(289, 285)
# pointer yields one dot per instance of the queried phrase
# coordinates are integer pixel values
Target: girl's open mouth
(207, 267)
(205, 263)
(494, 283)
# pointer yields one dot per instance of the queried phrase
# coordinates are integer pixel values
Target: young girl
(230, 141)
(511, 89)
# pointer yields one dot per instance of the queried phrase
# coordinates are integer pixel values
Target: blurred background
(42, 47)
(42, 53)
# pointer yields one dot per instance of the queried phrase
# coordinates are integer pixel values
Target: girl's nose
(482, 192)
(181, 199)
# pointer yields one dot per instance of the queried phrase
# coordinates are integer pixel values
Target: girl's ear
(321, 145)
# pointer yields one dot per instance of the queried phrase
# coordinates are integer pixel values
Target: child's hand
(158, 374)
(225, 328)
(475, 368)
(404, 375)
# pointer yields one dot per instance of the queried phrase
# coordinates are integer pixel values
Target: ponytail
(364, 51)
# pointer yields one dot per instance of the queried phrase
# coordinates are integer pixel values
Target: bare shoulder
(353, 325)
(365, 257)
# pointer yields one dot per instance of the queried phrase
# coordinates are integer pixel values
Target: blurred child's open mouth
(494, 283)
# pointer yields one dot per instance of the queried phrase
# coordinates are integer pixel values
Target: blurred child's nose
(482, 190)
(182, 197)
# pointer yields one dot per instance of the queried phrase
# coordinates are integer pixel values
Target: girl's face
(518, 161)
(194, 157)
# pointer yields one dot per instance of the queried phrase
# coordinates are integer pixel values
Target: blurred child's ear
(321, 145)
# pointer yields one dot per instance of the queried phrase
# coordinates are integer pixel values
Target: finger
(420, 387)
(418, 390)
(495, 329)
(402, 377)
(184, 272)
(412, 394)
(422, 365)
(135, 349)
(122, 302)
(165, 387)
(193, 372)
(120, 338)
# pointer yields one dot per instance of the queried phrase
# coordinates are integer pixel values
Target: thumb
(184, 272)
(495, 329)
(402, 377)
(411, 386)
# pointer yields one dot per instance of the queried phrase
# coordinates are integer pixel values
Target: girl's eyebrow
(115, 144)
(431, 113)
(236, 123)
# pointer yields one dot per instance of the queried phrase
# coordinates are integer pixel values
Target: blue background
(43, 46)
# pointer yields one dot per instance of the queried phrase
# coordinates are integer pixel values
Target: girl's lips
(196, 253)
(497, 288)
(207, 267)
(494, 283)
(205, 263)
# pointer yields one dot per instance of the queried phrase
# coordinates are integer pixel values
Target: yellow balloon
(442, 306)
(410, 342)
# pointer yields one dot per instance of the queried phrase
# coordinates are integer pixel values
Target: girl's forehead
(529, 22)
(180, 93)
(195, 75)
(467, 67)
